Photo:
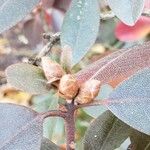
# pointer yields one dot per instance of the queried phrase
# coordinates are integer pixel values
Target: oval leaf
(118, 66)
(80, 27)
(27, 77)
(106, 133)
(140, 141)
(12, 11)
(20, 127)
(130, 101)
(128, 11)
(90, 70)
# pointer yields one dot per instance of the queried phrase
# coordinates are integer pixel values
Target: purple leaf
(117, 66)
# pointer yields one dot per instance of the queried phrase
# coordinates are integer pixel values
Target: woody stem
(69, 119)
(70, 127)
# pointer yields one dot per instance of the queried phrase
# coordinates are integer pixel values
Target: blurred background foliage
(25, 40)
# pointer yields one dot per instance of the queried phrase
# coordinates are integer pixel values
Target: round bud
(53, 71)
(68, 86)
(88, 91)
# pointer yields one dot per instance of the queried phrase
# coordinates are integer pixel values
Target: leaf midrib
(108, 134)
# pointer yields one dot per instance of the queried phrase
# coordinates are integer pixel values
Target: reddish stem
(53, 113)
(70, 127)
(69, 123)
(69, 118)
(94, 103)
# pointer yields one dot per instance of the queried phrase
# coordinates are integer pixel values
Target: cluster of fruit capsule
(67, 84)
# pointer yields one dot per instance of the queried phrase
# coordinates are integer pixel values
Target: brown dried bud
(68, 86)
(88, 91)
(53, 71)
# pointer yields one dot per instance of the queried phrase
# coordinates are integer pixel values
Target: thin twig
(146, 13)
(94, 103)
(107, 15)
(53, 113)
(69, 122)
(70, 127)
(53, 39)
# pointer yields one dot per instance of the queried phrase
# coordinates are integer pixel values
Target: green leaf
(27, 77)
(21, 128)
(106, 33)
(130, 101)
(45, 102)
(53, 127)
(106, 133)
(48, 145)
(128, 11)
(80, 27)
(96, 111)
(140, 141)
(13, 11)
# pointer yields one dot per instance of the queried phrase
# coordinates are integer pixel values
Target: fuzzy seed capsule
(68, 86)
(53, 71)
(88, 91)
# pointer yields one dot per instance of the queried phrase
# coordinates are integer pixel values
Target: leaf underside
(80, 27)
(20, 127)
(128, 11)
(117, 66)
(27, 77)
(130, 101)
(13, 11)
